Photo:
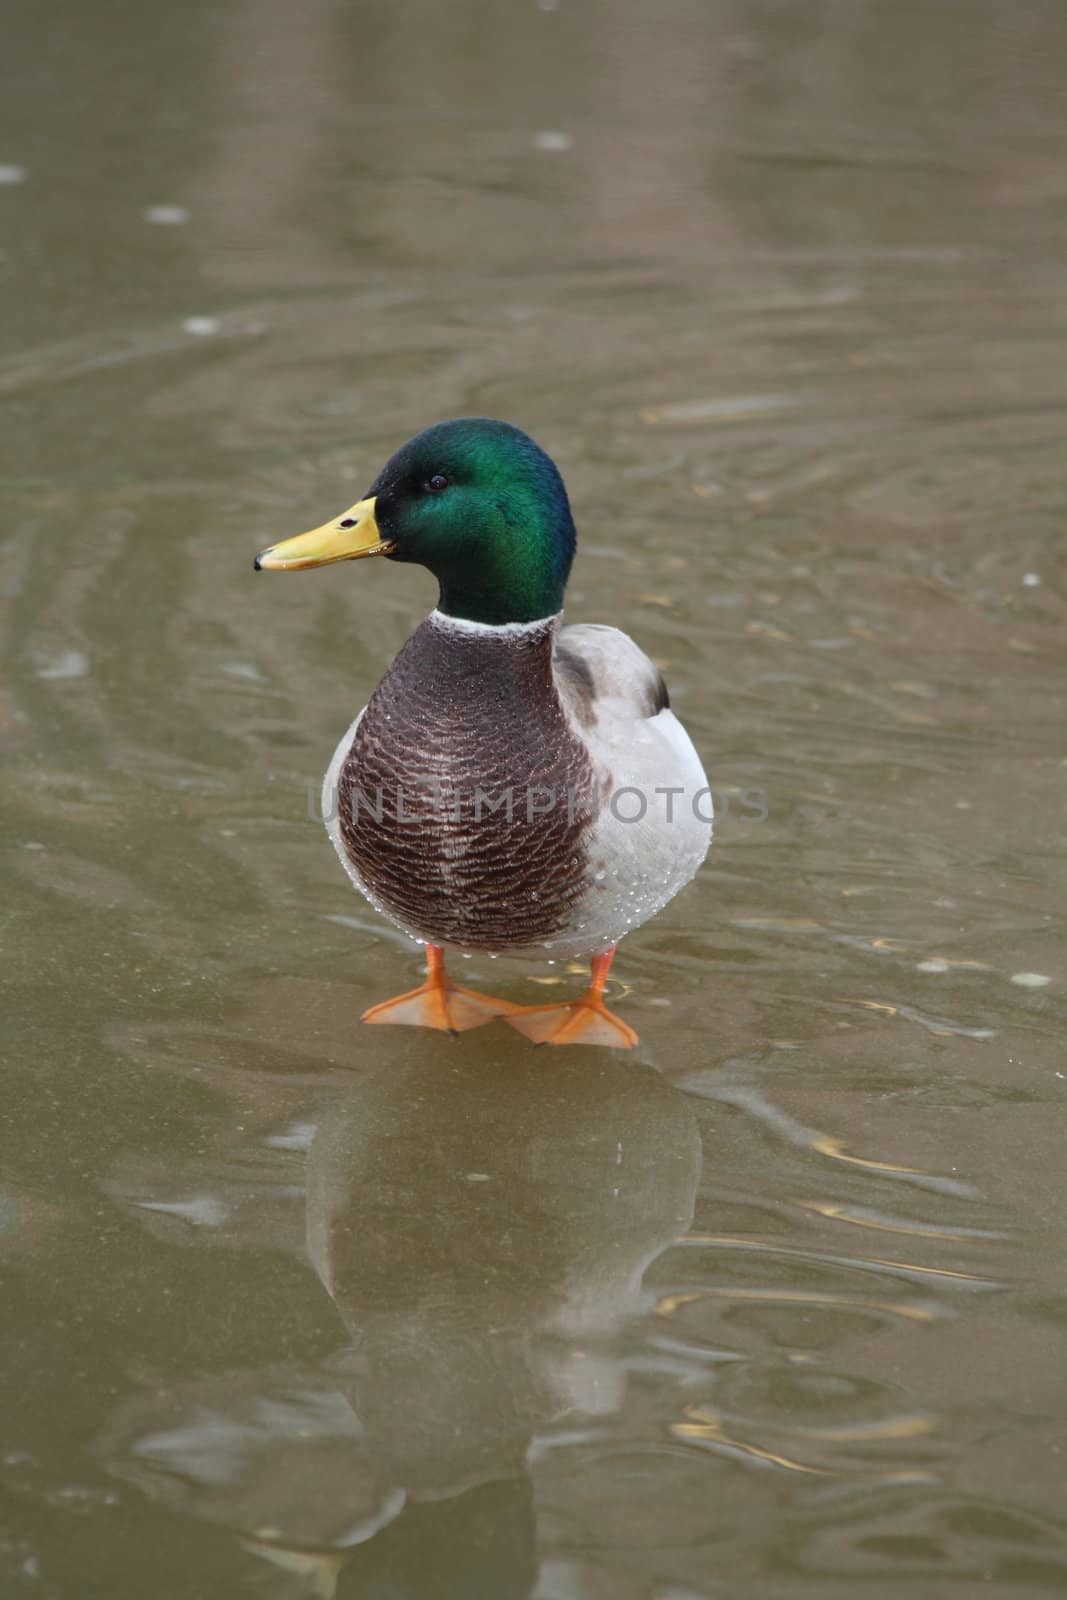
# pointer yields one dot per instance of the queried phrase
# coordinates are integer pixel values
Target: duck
(514, 785)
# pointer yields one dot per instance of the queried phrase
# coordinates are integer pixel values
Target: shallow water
(777, 1310)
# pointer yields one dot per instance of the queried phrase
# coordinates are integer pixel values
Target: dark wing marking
(660, 698)
(595, 663)
(578, 676)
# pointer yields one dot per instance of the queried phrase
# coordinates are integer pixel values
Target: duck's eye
(437, 483)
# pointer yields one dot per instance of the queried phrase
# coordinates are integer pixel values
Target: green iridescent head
(478, 503)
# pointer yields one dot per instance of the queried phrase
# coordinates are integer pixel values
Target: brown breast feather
(462, 719)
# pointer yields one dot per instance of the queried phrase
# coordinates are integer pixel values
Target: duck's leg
(584, 1021)
(439, 1003)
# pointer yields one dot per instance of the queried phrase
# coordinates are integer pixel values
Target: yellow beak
(352, 535)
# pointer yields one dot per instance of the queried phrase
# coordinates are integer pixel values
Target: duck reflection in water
(483, 1224)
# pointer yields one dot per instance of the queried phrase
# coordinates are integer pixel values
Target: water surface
(776, 1310)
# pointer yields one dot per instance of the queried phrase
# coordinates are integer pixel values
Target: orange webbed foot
(583, 1021)
(439, 1003)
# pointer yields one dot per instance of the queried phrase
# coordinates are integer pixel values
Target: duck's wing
(654, 823)
(619, 706)
(603, 677)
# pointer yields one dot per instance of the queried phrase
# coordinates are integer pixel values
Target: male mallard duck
(512, 786)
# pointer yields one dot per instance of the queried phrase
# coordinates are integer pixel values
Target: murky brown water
(779, 1310)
